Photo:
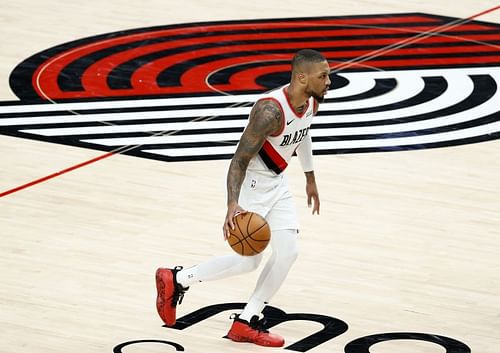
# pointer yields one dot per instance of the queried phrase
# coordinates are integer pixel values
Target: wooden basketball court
(406, 241)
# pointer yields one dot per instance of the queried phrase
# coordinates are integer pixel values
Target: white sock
(187, 276)
(253, 307)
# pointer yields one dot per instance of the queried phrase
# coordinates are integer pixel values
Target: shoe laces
(259, 325)
(255, 323)
(179, 290)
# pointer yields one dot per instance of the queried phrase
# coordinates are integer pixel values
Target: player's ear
(302, 78)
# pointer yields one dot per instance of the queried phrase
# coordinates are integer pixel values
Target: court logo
(183, 92)
(331, 328)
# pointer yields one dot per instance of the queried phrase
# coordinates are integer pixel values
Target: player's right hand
(232, 210)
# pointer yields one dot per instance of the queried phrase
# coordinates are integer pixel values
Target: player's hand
(312, 197)
(232, 210)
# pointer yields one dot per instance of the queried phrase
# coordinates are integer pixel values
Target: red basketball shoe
(169, 294)
(253, 332)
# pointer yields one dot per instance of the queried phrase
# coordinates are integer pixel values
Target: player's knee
(250, 263)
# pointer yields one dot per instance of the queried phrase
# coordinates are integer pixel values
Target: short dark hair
(307, 56)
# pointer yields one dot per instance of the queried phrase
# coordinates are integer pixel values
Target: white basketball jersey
(278, 149)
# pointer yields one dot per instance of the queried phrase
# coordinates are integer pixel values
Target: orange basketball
(251, 234)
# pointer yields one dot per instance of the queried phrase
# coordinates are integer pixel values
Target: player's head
(311, 71)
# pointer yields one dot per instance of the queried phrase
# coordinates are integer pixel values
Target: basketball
(251, 234)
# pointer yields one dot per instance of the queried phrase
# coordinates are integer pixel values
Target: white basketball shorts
(268, 195)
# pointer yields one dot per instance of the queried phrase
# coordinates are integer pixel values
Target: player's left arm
(312, 192)
(304, 152)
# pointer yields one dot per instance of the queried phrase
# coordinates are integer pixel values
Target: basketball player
(278, 126)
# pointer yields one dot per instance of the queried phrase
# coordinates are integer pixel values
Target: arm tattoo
(269, 115)
(265, 119)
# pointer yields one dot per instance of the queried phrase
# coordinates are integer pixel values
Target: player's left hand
(312, 197)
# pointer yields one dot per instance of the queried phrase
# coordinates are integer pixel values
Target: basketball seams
(242, 237)
(248, 225)
(247, 235)
(240, 243)
(251, 247)
(238, 225)
(237, 237)
(256, 230)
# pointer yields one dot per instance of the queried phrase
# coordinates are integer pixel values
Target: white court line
(130, 103)
(97, 118)
(351, 145)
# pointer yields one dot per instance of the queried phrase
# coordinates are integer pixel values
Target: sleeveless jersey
(278, 149)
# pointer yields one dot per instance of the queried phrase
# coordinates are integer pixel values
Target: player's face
(319, 80)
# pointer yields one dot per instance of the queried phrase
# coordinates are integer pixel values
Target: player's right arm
(265, 119)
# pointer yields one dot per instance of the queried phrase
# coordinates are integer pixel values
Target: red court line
(127, 148)
(483, 12)
(56, 174)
